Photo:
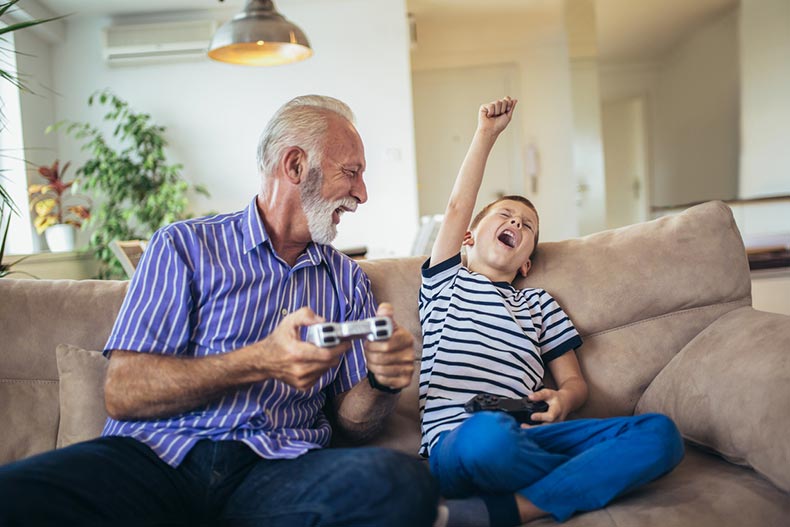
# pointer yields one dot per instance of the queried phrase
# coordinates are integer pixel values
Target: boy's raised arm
(492, 118)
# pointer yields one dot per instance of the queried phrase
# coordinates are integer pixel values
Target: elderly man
(215, 400)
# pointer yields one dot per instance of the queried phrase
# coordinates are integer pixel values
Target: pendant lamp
(259, 36)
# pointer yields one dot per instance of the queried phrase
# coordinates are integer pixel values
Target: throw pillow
(82, 413)
(727, 390)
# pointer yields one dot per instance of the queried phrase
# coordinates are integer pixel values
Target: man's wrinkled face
(336, 186)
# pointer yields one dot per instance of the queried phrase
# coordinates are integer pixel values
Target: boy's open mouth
(508, 238)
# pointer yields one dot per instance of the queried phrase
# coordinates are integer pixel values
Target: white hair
(301, 122)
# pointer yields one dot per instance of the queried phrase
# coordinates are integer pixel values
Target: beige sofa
(665, 311)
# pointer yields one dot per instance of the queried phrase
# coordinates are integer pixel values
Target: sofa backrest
(638, 295)
(36, 316)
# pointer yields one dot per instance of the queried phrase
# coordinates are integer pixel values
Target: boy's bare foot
(527, 511)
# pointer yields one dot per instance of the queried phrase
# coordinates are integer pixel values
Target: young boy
(481, 335)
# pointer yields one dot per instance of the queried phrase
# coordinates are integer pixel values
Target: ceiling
(124, 7)
(628, 30)
(633, 29)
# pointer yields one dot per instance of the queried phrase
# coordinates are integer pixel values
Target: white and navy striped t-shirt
(482, 336)
(209, 286)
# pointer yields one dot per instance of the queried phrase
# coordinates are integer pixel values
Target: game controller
(333, 333)
(521, 409)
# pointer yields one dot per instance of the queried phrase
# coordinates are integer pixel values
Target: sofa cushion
(617, 277)
(397, 281)
(82, 413)
(619, 364)
(728, 390)
(640, 293)
(45, 313)
(703, 491)
(28, 415)
(36, 316)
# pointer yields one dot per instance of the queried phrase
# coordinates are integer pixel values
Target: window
(12, 163)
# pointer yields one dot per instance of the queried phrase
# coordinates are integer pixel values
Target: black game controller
(521, 409)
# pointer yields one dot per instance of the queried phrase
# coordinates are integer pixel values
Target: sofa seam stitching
(665, 315)
(26, 381)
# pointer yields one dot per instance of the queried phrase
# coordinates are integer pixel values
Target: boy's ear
(293, 164)
(524, 269)
(468, 240)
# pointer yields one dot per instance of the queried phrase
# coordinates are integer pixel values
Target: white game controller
(333, 333)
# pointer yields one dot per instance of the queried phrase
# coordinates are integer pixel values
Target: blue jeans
(118, 481)
(561, 468)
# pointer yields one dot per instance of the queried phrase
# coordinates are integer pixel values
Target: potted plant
(134, 188)
(53, 216)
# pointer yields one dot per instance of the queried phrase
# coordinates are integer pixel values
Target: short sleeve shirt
(213, 285)
(481, 336)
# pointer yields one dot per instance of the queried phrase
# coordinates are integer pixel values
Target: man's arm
(492, 118)
(361, 411)
(149, 385)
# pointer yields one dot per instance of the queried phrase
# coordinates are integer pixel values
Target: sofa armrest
(729, 390)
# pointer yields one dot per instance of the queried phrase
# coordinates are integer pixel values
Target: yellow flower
(42, 223)
(45, 206)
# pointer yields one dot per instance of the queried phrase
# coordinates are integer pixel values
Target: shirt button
(284, 312)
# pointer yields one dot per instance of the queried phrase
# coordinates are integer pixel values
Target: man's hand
(391, 361)
(286, 357)
(495, 116)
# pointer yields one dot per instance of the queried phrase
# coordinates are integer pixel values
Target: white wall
(692, 113)
(215, 112)
(697, 121)
(765, 122)
(536, 44)
(755, 37)
(588, 160)
(765, 99)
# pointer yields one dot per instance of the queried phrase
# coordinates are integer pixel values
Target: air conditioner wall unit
(161, 42)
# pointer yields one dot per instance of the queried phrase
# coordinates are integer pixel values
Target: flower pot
(60, 238)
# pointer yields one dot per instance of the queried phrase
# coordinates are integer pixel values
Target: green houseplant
(135, 190)
(7, 205)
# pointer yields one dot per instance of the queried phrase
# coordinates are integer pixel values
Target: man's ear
(294, 163)
(524, 269)
(468, 240)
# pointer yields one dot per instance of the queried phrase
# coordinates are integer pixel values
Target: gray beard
(318, 210)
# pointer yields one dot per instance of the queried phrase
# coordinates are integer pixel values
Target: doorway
(626, 161)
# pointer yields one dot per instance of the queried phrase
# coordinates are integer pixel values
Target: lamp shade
(259, 36)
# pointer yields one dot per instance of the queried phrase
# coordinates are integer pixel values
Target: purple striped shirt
(212, 285)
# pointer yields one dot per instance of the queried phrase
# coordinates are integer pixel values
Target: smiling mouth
(341, 210)
(508, 238)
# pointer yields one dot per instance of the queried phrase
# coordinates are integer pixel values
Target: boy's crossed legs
(561, 468)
